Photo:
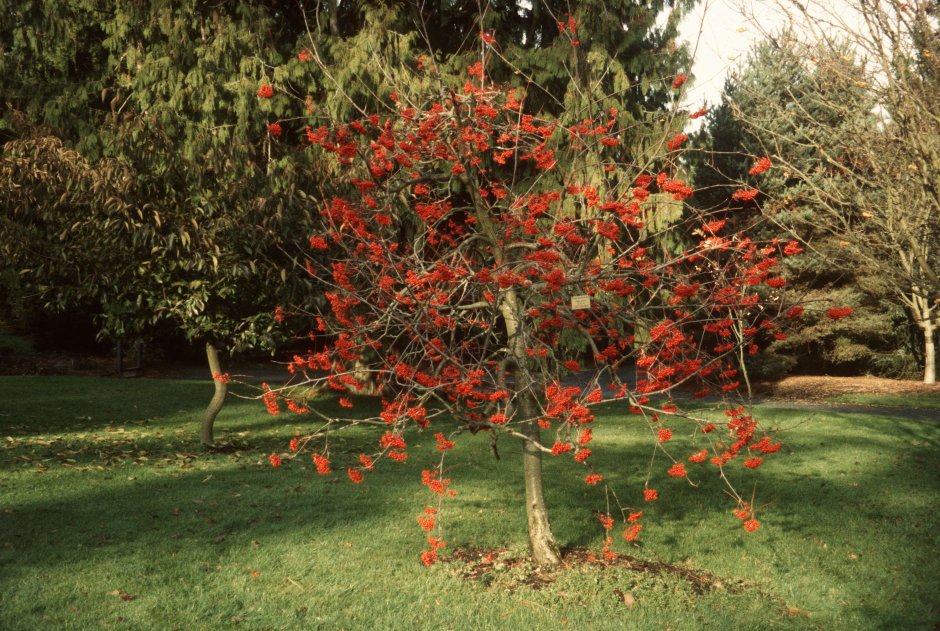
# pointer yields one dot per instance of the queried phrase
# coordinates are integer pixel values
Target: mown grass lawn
(908, 401)
(111, 517)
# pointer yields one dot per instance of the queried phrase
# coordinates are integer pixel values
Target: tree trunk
(334, 20)
(925, 315)
(363, 375)
(542, 545)
(218, 399)
(930, 353)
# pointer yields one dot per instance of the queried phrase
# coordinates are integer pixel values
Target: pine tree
(804, 106)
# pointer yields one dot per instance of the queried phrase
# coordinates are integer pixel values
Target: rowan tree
(479, 247)
(622, 49)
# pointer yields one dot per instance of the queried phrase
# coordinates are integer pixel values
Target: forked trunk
(218, 398)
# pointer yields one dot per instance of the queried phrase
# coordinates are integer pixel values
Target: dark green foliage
(156, 193)
(141, 184)
(804, 115)
(620, 57)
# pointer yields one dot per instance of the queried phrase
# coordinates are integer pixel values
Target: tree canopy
(480, 256)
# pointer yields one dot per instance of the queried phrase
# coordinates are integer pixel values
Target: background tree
(624, 52)
(140, 182)
(878, 79)
(791, 123)
(87, 236)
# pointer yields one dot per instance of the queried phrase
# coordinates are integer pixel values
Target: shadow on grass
(56, 404)
(844, 485)
(59, 421)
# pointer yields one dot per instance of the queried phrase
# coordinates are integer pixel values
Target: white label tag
(580, 302)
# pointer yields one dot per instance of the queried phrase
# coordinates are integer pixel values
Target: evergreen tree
(802, 105)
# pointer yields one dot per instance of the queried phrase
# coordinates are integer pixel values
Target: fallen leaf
(628, 599)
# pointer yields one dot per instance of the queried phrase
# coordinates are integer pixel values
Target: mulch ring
(498, 564)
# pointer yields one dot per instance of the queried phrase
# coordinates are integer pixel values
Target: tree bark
(925, 315)
(218, 398)
(363, 375)
(930, 353)
(542, 545)
(334, 20)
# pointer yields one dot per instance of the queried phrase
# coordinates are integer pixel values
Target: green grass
(910, 401)
(112, 518)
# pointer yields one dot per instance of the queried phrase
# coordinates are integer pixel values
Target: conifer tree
(807, 106)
